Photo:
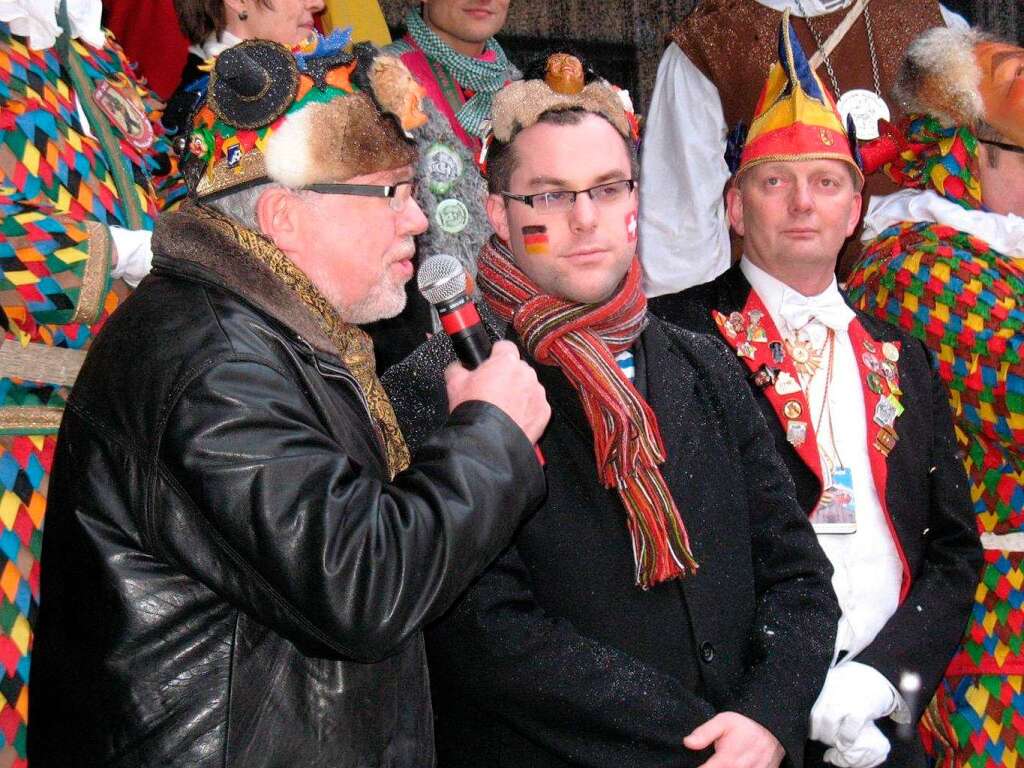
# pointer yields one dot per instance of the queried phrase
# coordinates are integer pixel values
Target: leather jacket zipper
(332, 372)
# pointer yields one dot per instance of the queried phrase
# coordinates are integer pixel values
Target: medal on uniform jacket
(758, 343)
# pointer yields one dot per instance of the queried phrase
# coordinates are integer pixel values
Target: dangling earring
(243, 15)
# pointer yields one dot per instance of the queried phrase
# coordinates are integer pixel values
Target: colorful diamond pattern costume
(60, 190)
(965, 301)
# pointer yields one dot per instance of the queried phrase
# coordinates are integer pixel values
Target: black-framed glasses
(562, 200)
(398, 194)
(1003, 145)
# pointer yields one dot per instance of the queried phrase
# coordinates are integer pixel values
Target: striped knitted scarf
(582, 340)
(484, 78)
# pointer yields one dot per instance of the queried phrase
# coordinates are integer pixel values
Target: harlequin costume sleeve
(965, 300)
(61, 191)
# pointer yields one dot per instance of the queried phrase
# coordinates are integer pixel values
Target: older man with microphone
(239, 504)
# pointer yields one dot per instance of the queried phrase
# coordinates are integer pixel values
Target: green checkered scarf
(484, 78)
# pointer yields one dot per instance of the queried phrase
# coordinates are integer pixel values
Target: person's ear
(497, 214)
(279, 216)
(854, 220)
(734, 208)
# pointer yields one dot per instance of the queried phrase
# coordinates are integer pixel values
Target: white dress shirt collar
(213, 47)
(775, 294)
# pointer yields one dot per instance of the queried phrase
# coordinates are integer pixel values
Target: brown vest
(735, 42)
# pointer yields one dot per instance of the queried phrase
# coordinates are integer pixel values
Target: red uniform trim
(808, 451)
(879, 464)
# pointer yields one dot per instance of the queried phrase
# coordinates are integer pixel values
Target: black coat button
(707, 652)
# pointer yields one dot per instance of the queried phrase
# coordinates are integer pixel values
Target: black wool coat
(926, 498)
(555, 658)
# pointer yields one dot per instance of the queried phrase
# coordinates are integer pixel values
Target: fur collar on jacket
(188, 242)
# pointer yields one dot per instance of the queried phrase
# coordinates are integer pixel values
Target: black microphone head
(441, 278)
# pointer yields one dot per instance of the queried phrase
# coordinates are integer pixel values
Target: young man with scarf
(669, 600)
(241, 551)
(859, 417)
(944, 260)
(450, 49)
(84, 171)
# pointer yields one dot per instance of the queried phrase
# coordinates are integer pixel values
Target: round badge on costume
(792, 409)
(875, 383)
(866, 108)
(452, 216)
(890, 352)
(443, 167)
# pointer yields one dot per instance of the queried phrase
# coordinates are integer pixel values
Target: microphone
(443, 282)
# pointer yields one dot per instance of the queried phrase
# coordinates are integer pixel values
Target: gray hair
(241, 206)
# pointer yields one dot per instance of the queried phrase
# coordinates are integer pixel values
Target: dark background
(624, 39)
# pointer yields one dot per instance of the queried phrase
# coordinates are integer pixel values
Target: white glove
(854, 695)
(134, 254)
(868, 749)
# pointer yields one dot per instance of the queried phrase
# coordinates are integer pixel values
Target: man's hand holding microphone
(492, 373)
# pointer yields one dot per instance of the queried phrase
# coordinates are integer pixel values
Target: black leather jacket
(230, 579)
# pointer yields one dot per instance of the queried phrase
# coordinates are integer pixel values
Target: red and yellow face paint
(535, 240)
(631, 226)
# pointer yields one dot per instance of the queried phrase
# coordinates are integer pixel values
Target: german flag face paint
(535, 240)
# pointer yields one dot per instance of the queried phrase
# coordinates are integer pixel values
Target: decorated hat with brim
(567, 84)
(312, 115)
(795, 117)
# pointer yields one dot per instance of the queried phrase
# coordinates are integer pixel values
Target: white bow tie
(827, 308)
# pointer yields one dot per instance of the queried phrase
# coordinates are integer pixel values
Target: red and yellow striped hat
(795, 117)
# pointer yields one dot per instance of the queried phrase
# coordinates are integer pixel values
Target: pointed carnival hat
(310, 115)
(795, 117)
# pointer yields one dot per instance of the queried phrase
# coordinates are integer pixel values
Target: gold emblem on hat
(564, 73)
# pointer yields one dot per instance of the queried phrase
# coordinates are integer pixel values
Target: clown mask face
(1002, 88)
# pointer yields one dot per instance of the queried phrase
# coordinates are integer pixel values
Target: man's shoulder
(705, 356)
(684, 339)
(692, 307)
